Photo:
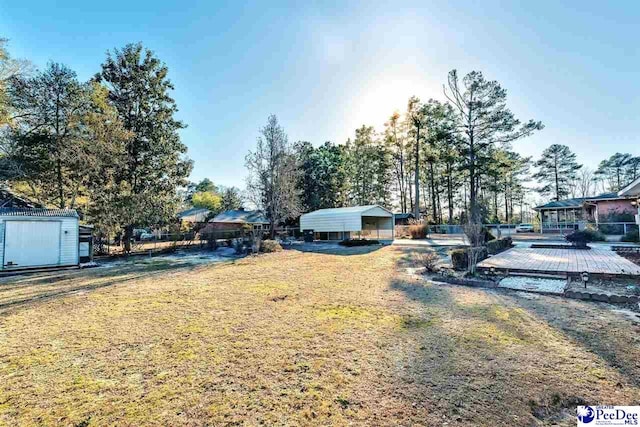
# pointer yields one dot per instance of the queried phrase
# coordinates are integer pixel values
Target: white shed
(34, 237)
(371, 221)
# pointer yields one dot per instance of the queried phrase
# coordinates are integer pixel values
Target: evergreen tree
(482, 120)
(231, 199)
(155, 165)
(369, 169)
(47, 141)
(615, 171)
(556, 169)
(322, 181)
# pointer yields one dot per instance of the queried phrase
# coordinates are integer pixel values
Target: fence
(608, 228)
(166, 242)
(455, 229)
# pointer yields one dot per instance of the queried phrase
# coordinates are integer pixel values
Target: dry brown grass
(301, 338)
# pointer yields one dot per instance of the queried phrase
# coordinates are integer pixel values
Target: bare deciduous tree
(273, 175)
(583, 185)
(474, 234)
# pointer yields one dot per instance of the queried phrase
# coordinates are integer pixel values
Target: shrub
(270, 246)
(499, 245)
(402, 231)
(488, 235)
(428, 260)
(418, 231)
(460, 257)
(358, 242)
(631, 236)
(581, 238)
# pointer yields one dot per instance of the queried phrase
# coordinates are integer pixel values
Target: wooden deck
(600, 262)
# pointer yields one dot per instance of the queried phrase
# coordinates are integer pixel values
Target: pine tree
(155, 165)
(556, 169)
(483, 120)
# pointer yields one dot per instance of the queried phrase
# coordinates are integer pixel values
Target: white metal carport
(371, 221)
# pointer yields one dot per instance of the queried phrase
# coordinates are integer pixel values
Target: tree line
(450, 161)
(108, 147)
(447, 162)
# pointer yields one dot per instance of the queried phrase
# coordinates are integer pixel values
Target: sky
(327, 68)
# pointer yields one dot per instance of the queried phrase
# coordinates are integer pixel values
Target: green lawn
(302, 338)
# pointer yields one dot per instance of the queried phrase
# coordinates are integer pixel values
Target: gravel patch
(534, 284)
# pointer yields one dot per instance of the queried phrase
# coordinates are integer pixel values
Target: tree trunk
(555, 171)
(416, 209)
(473, 214)
(449, 194)
(506, 204)
(128, 235)
(60, 183)
(434, 206)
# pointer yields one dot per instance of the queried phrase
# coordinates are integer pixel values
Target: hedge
(359, 242)
(460, 258)
(631, 236)
(499, 245)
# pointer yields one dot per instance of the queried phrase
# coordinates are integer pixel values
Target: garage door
(31, 243)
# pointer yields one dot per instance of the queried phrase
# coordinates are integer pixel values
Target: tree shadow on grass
(484, 356)
(43, 289)
(593, 326)
(333, 249)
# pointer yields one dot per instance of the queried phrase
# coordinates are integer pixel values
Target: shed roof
(38, 212)
(362, 210)
(240, 216)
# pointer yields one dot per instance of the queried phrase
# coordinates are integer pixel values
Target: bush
(358, 242)
(402, 231)
(428, 260)
(270, 246)
(488, 235)
(580, 238)
(460, 258)
(499, 245)
(631, 236)
(418, 231)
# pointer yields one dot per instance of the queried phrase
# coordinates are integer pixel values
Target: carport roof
(348, 210)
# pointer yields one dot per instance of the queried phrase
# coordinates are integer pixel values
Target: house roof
(606, 196)
(193, 211)
(348, 210)
(632, 189)
(579, 201)
(241, 216)
(403, 215)
(38, 212)
(9, 200)
(563, 204)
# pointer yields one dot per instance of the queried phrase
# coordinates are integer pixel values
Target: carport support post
(638, 217)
